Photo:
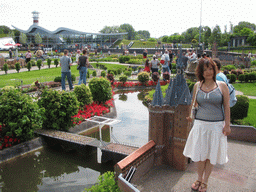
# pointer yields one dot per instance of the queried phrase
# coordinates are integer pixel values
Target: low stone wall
(21, 149)
(142, 159)
(243, 133)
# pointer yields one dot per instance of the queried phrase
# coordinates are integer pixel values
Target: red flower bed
(133, 84)
(91, 110)
(7, 141)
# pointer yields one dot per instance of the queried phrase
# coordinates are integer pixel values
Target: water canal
(53, 169)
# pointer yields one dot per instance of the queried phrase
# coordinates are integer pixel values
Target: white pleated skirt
(206, 141)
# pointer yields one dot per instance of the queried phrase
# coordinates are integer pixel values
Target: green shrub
(231, 77)
(119, 71)
(143, 77)
(106, 182)
(229, 67)
(59, 107)
(103, 74)
(33, 63)
(57, 79)
(49, 61)
(252, 77)
(39, 63)
(127, 73)
(56, 62)
(94, 73)
(101, 89)
(253, 62)
(135, 61)
(123, 59)
(29, 65)
(20, 114)
(240, 109)
(88, 74)
(123, 78)
(173, 66)
(83, 94)
(17, 67)
(73, 77)
(5, 68)
(246, 77)
(241, 77)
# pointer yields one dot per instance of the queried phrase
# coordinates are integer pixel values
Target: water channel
(53, 169)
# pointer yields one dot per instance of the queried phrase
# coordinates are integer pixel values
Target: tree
(165, 38)
(190, 34)
(38, 39)
(112, 29)
(23, 38)
(243, 24)
(11, 34)
(246, 32)
(144, 33)
(207, 32)
(252, 39)
(4, 29)
(130, 30)
(216, 35)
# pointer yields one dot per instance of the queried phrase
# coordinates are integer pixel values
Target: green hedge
(20, 114)
(59, 107)
(101, 89)
(240, 109)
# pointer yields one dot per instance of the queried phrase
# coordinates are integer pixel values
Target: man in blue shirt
(65, 63)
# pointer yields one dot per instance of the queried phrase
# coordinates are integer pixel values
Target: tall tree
(112, 29)
(23, 38)
(130, 30)
(243, 24)
(207, 32)
(216, 35)
(4, 29)
(38, 39)
(144, 33)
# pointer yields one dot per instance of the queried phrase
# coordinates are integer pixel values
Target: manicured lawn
(29, 77)
(247, 88)
(43, 75)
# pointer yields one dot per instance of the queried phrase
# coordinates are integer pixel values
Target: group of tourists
(66, 62)
(154, 64)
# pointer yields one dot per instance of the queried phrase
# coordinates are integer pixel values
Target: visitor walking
(145, 53)
(83, 61)
(65, 64)
(10, 53)
(28, 56)
(39, 54)
(154, 64)
(147, 66)
(166, 60)
(207, 141)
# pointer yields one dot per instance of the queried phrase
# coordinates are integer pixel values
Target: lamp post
(200, 25)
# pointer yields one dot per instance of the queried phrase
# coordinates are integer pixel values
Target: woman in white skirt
(207, 141)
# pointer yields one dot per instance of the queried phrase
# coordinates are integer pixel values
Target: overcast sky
(160, 18)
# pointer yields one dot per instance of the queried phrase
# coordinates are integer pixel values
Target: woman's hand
(189, 119)
(226, 130)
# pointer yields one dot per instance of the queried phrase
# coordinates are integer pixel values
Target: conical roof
(158, 99)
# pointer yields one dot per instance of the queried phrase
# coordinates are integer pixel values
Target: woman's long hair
(200, 68)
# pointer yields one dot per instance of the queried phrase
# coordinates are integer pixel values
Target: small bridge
(106, 150)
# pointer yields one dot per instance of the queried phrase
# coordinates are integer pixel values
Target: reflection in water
(133, 128)
(51, 170)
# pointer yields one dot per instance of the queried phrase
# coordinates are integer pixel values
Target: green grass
(247, 88)
(29, 77)
(43, 75)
